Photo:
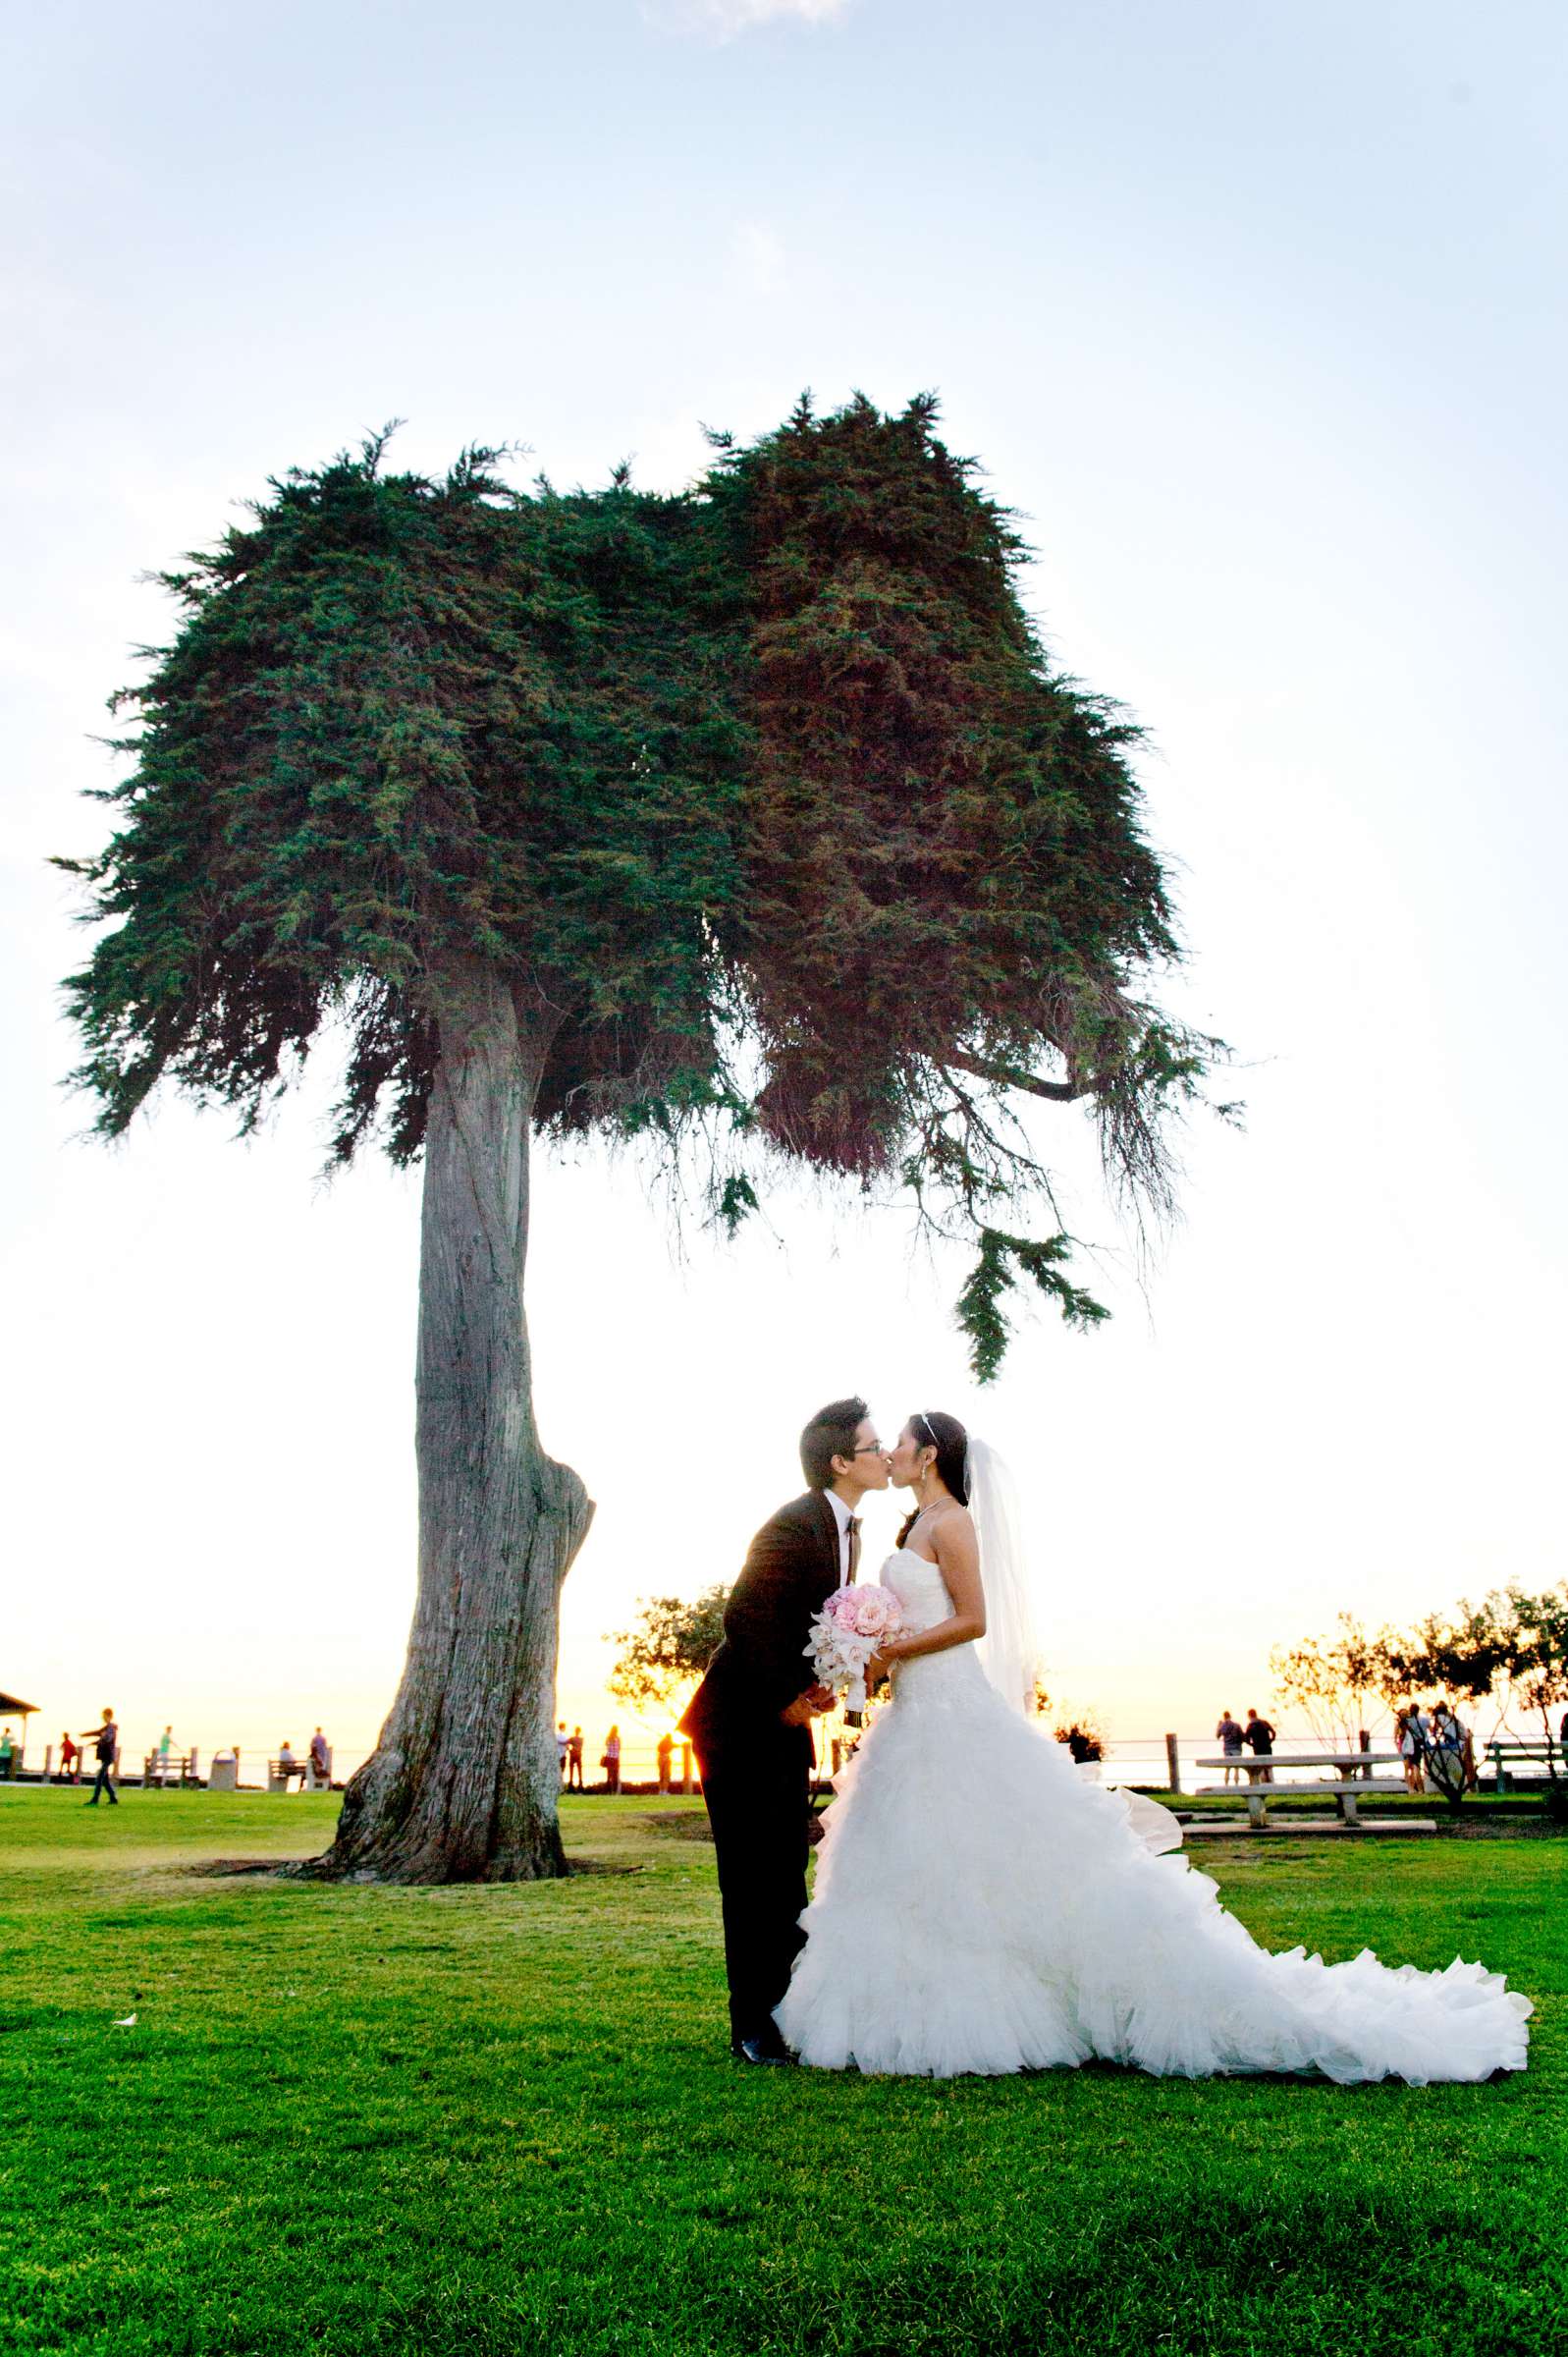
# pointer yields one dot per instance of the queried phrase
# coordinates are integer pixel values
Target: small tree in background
(1463, 1652)
(1330, 1680)
(667, 1649)
(1455, 1654)
(756, 813)
(1084, 1736)
(1532, 1640)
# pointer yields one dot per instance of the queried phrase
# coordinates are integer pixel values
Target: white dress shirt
(840, 1515)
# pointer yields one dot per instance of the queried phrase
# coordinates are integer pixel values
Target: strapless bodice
(919, 1586)
(953, 1676)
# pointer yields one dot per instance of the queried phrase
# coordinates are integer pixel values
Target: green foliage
(765, 798)
(1002, 1259)
(405, 724)
(942, 841)
(738, 1199)
(670, 1647)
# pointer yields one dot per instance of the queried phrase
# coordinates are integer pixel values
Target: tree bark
(463, 1782)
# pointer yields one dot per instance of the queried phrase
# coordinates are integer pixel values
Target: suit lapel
(828, 1524)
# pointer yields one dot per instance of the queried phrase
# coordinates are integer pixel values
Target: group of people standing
(1436, 1740)
(570, 1751)
(568, 1758)
(1257, 1736)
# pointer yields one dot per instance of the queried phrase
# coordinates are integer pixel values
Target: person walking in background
(665, 1753)
(105, 1742)
(69, 1756)
(320, 1755)
(610, 1762)
(574, 1760)
(562, 1749)
(1228, 1734)
(164, 1742)
(8, 1752)
(1259, 1736)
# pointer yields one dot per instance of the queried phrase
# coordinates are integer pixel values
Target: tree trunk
(462, 1785)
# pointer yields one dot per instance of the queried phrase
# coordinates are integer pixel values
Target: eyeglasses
(871, 1448)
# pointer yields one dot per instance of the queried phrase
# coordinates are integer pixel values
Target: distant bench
(170, 1768)
(1351, 1766)
(1506, 1753)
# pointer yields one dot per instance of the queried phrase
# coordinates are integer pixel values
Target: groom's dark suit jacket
(792, 1569)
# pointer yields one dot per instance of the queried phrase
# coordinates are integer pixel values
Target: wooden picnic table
(1351, 1767)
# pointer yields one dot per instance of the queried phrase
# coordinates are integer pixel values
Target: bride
(979, 1907)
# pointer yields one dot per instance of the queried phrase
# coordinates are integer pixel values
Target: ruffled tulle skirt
(979, 1907)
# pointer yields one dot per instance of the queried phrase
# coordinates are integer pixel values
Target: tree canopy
(764, 797)
(1511, 1649)
(668, 1647)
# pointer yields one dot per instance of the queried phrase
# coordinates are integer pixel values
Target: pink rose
(872, 1611)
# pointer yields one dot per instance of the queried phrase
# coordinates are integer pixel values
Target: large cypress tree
(756, 811)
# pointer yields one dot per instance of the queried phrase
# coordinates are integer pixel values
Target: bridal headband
(924, 1413)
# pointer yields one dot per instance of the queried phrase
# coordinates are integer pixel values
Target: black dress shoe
(760, 2049)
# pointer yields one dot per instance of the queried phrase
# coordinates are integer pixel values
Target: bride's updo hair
(944, 1434)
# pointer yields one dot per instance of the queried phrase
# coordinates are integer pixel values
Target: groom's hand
(807, 1706)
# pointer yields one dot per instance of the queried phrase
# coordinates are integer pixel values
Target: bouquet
(845, 1635)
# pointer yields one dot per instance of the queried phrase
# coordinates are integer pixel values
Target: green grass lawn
(362, 2122)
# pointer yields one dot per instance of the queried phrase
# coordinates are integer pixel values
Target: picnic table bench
(1352, 1767)
(170, 1768)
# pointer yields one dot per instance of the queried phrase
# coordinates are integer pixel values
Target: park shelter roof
(12, 1707)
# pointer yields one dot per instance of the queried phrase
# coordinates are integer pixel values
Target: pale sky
(1255, 313)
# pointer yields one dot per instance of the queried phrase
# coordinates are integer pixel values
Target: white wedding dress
(979, 1907)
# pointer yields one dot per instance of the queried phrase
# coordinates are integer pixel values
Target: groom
(751, 1719)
